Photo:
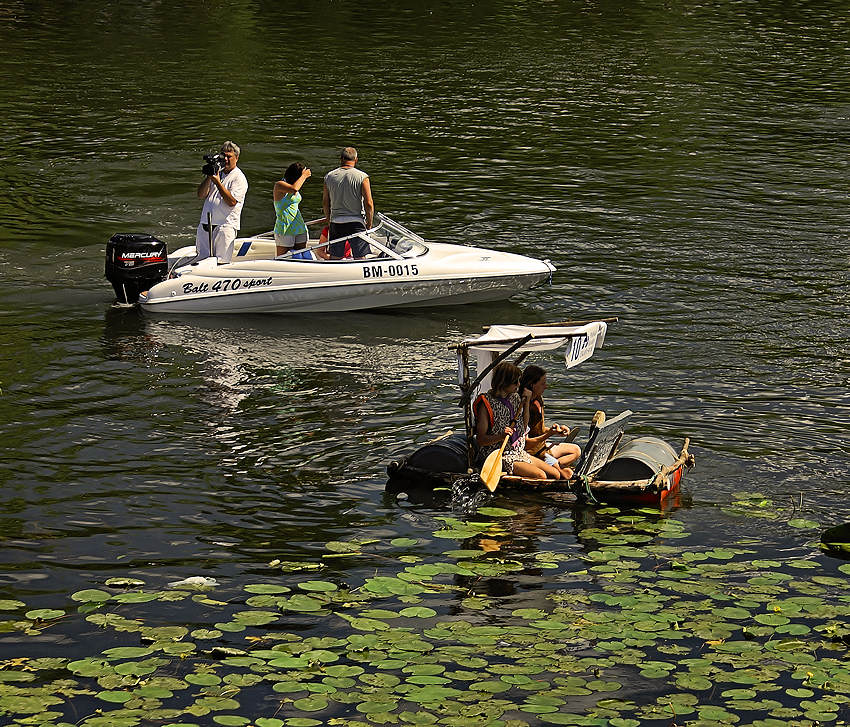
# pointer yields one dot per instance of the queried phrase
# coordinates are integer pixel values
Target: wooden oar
(491, 470)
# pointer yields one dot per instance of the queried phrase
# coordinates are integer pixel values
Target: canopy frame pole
(467, 388)
(487, 369)
(467, 408)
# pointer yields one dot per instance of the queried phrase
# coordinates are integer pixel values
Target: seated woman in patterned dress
(502, 412)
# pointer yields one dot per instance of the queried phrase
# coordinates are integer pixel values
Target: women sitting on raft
(533, 384)
(501, 411)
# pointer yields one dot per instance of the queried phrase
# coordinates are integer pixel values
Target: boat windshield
(387, 239)
(394, 238)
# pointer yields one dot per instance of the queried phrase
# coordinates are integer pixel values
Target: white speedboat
(401, 271)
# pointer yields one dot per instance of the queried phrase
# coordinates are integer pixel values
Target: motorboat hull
(280, 296)
(403, 272)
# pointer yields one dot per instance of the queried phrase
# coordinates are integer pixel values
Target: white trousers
(222, 238)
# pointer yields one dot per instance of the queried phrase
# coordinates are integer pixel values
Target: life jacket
(479, 400)
(536, 429)
(534, 422)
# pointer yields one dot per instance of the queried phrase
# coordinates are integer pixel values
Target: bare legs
(537, 469)
(279, 250)
(566, 454)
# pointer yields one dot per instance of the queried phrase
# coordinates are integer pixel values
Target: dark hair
(293, 172)
(530, 376)
(504, 375)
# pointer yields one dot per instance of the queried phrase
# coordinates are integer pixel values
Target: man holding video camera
(223, 192)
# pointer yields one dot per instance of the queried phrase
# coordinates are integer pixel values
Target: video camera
(214, 164)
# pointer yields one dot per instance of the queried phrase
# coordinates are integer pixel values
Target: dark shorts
(359, 246)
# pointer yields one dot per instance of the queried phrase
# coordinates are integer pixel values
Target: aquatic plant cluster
(627, 628)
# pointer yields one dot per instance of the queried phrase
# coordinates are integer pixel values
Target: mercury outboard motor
(135, 262)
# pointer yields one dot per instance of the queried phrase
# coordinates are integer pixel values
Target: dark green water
(684, 165)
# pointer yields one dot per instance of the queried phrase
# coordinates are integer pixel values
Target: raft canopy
(581, 340)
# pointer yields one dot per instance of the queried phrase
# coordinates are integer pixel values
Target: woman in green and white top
(289, 228)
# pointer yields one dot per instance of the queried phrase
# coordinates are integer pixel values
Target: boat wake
(463, 495)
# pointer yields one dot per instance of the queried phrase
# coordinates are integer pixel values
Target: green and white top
(288, 217)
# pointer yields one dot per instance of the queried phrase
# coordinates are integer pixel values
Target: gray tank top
(345, 185)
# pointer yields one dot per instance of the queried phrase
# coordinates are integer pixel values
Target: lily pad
(118, 697)
(496, 512)
(386, 585)
(693, 682)
(314, 703)
(300, 602)
(417, 612)
(338, 546)
(44, 614)
(91, 595)
(266, 588)
(124, 582)
(803, 524)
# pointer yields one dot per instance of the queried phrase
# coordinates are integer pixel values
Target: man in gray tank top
(348, 206)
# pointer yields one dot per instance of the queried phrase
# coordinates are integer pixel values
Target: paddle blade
(491, 471)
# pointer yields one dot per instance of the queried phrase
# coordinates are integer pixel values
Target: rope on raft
(684, 458)
(582, 489)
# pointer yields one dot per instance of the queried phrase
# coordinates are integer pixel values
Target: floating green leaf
(496, 512)
(693, 682)
(266, 588)
(803, 524)
(417, 612)
(300, 602)
(338, 546)
(135, 597)
(91, 595)
(44, 614)
(118, 697)
(311, 704)
(124, 582)
(386, 585)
